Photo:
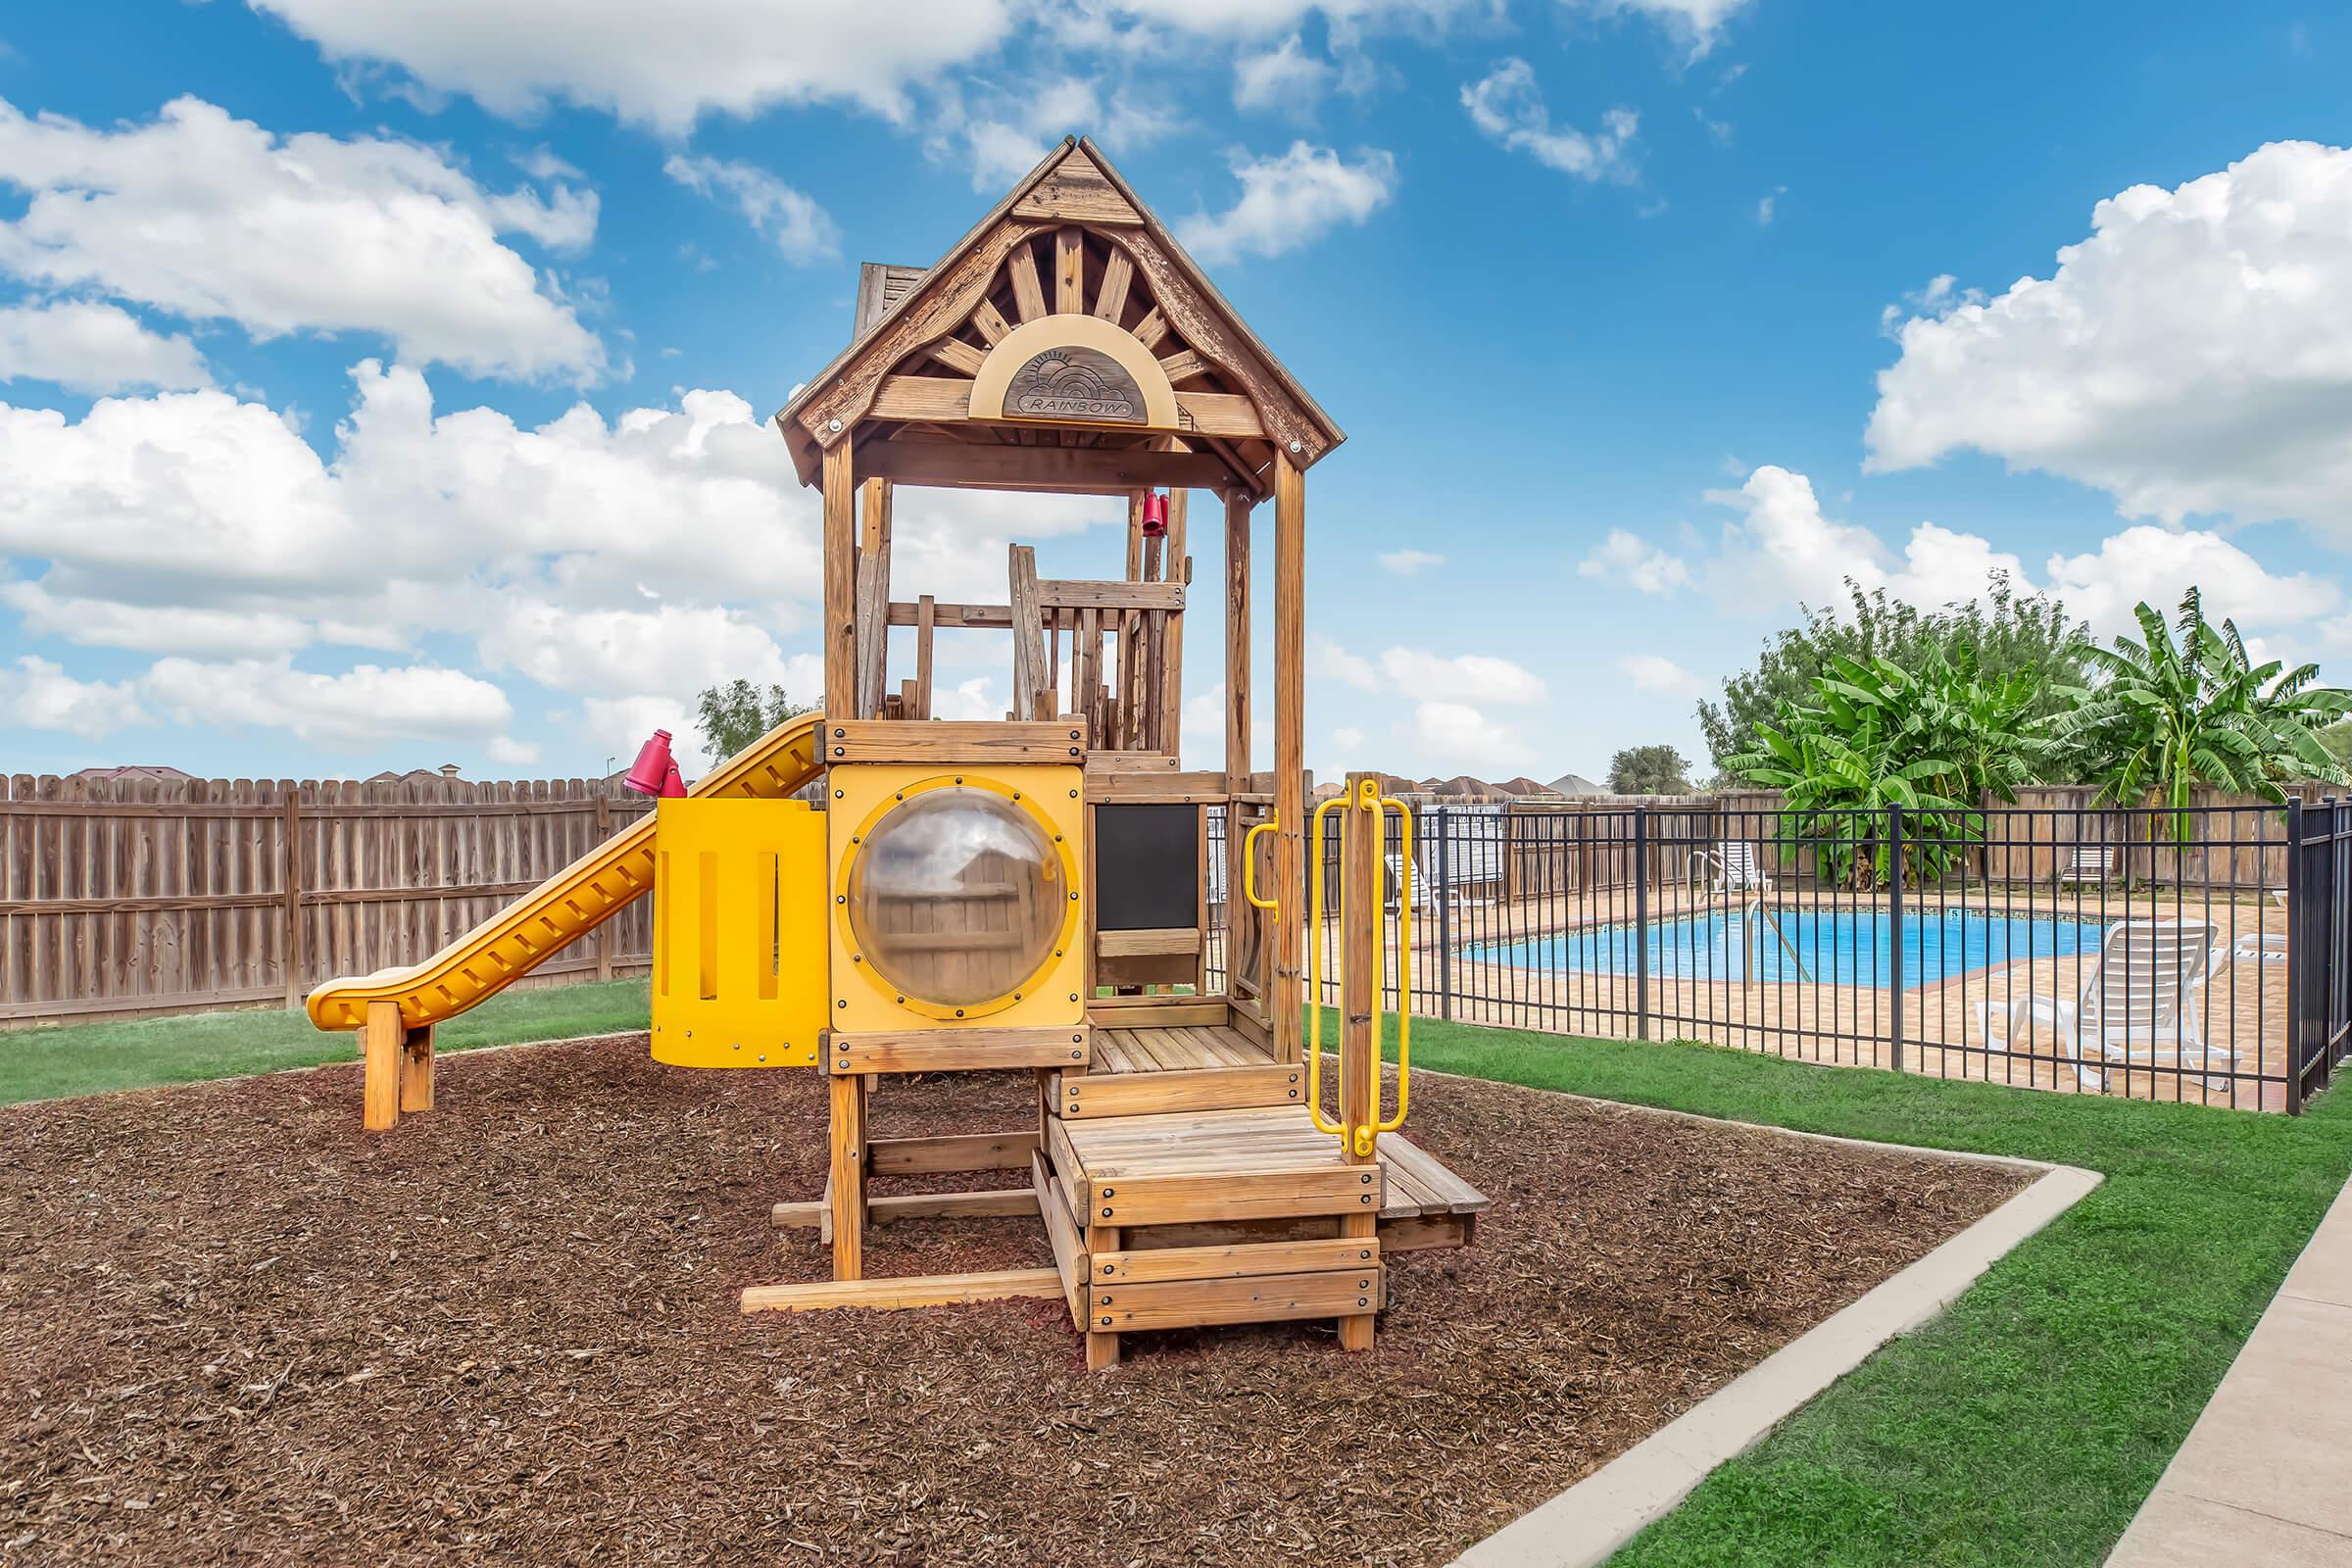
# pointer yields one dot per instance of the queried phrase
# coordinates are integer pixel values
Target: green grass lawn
(2026, 1425)
(92, 1058)
(2021, 1427)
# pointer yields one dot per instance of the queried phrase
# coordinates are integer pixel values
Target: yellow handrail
(1364, 1138)
(1249, 861)
(1405, 982)
(1314, 970)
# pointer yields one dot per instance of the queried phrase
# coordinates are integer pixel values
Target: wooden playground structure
(1029, 894)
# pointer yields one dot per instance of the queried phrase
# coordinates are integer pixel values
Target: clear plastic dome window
(956, 897)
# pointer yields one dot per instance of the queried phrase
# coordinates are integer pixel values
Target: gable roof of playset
(1240, 399)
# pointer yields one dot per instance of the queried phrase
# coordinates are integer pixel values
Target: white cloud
(1417, 672)
(2192, 355)
(660, 66)
(1459, 735)
(39, 695)
(1291, 200)
(1285, 79)
(359, 709)
(802, 230)
(1508, 106)
(1203, 715)
(153, 628)
(1347, 738)
(211, 218)
(1768, 206)
(1406, 562)
(1655, 672)
(1695, 24)
(671, 648)
(91, 348)
(1626, 557)
(1784, 548)
(1328, 659)
(1004, 128)
(629, 561)
(2157, 565)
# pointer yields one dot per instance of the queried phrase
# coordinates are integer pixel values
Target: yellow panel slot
(707, 873)
(740, 899)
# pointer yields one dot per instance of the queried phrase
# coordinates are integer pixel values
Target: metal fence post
(1641, 922)
(1895, 933)
(2301, 905)
(1444, 895)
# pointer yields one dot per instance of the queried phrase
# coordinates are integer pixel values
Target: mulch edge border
(1586, 1524)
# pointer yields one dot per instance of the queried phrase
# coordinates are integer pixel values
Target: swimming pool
(1847, 948)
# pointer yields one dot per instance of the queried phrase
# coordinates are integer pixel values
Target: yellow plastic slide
(567, 905)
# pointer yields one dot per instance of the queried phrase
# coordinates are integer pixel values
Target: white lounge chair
(1425, 886)
(2137, 996)
(1735, 865)
(2094, 863)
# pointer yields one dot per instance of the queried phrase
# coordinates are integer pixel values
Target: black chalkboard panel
(1146, 867)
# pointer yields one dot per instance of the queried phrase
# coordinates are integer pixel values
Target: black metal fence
(2198, 955)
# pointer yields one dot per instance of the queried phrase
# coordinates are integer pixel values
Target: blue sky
(382, 381)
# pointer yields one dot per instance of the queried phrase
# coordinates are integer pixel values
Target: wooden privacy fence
(137, 895)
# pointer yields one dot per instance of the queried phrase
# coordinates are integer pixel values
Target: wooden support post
(839, 641)
(293, 962)
(1130, 625)
(1240, 916)
(926, 616)
(416, 1069)
(1102, 1349)
(1290, 756)
(1171, 675)
(1362, 910)
(846, 1189)
(382, 1040)
(873, 597)
(1031, 679)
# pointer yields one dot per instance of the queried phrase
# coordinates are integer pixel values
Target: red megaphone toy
(655, 771)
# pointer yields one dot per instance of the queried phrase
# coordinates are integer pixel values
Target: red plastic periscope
(655, 771)
(1156, 515)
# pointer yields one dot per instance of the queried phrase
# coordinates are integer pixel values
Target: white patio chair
(2093, 863)
(1735, 865)
(2139, 996)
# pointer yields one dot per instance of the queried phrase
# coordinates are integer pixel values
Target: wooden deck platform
(1182, 1182)
(1238, 1152)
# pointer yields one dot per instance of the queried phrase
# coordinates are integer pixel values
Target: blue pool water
(1833, 947)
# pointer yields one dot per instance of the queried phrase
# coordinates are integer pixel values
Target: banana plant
(1863, 747)
(2162, 716)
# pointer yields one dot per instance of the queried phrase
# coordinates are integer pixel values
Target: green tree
(2005, 633)
(1936, 742)
(732, 716)
(2162, 716)
(1649, 770)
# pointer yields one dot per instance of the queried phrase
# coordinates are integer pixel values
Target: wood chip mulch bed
(233, 1327)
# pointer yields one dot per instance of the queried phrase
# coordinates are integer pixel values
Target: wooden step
(1239, 1192)
(1238, 1260)
(1083, 1094)
(1122, 1307)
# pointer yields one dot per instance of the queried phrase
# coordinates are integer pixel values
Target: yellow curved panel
(567, 907)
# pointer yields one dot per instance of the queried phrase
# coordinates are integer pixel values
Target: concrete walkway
(2265, 1474)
